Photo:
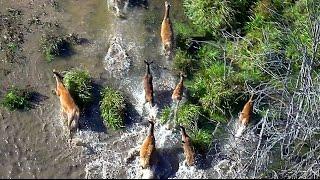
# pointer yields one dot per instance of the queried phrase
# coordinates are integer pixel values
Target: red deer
(176, 97)
(245, 114)
(68, 106)
(147, 83)
(166, 31)
(178, 91)
(187, 147)
(147, 150)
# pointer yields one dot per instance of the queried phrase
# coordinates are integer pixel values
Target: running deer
(166, 31)
(147, 83)
(187, 147)
(245, 114)
(178, 91)
(148, 148)
(68, 106)
(176, 97)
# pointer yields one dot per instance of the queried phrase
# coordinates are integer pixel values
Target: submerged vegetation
(55, 44)
(16, 98)
(52, 46)
(112, 108)
(11, 34)
(80, 86)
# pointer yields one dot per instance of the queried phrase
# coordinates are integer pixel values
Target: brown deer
(166, 31)
(147, 83)
(176, 97)
(178, 91)
(245, 114)
(148, 148)
(68, 106)
(187, 147)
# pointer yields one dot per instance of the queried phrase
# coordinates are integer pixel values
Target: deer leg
(63, 113)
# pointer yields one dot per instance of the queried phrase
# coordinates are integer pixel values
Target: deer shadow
(139, 3)
(131, 115)
(163, 98)
(36, 98)
(168, 161)
(91, 117)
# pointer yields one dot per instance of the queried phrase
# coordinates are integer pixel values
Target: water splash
(186, 172)
(108, 155)
(119, 7)
(240, 130)
(117, 61)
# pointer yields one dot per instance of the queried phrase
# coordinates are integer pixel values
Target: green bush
(213, 15)
(165, 114)
(209, 15)
(209, 54)
(188, 115)
(112, 107)
(56, 44)
(201, 140)
(52, 46)
(79, 84)
(183, 62)
(16, 98)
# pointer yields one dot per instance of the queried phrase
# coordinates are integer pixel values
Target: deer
(178, 90)
(187, 147)
(147, 150)
(245, 114)
(166, 31)
(147, 83)
(68, 107)
(177, 96)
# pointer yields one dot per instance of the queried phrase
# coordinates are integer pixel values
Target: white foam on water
(117, 62)
(165, 138)
(186, 172)
(240, 130)
(108, 159)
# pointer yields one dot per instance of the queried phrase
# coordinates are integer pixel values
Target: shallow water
(33, 142)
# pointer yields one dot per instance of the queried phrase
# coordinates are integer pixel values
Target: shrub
(112, 107)
(54, 44)
(79, 84)
(165, 115)
(188, 115)
(183, 62)
(16, 99)
(209, 15)
(201, 140)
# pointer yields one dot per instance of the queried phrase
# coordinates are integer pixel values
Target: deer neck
(183, 131)
(166, 12)
(250, 100)
(58, 80)
(147, 69)
(181, 80)
(151, 129)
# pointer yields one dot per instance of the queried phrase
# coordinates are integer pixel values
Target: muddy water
(33, 142)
